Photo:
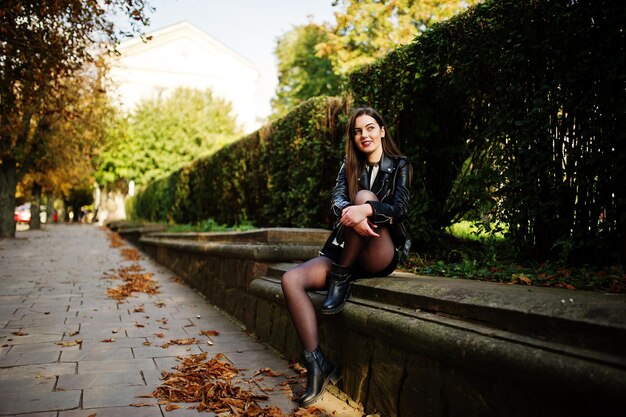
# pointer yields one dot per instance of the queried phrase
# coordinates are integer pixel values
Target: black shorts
(357, 271)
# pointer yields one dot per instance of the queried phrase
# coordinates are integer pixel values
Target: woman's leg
(310, 275)
(372, 253)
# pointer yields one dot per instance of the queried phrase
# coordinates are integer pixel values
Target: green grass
(472, 230)
(464, 253)
(210, 225)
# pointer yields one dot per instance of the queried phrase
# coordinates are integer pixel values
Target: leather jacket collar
(386, 166)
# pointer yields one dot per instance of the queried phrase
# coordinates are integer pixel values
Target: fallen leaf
(70, 343)
(209, 332)
(110, 340)
(267, 372)
(19, 333)
(141, 405)
(299, 369)
(146, 343)
(74, 333)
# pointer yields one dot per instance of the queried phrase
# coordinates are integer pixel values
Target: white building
(182, 55)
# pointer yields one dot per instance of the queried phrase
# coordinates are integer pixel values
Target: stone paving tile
(40, 347)
(97, 355)
(102, 379)
(117, 396)
(44, 414)
(120, 342)
(31, 358)
(85, 367)
(27, 384)
(38, 371)
(159, 352)
(153, 376)
(121, 412)
(36, 401)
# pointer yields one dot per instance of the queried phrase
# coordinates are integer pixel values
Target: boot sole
(334, 310)
(339, 308)
(334, 377)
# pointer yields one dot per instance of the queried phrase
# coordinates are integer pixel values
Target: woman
(369, 200)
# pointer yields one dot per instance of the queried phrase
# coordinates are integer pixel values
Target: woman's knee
(364, 196)
(288, 280)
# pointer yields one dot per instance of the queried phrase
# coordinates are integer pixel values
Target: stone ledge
(593, 321)
(251, 251)
(267, 235)
(477, 347)
(414, 345)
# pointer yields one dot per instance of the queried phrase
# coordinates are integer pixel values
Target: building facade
(182, 55)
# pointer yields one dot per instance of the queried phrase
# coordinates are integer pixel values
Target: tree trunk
(8, 184)
(35, 204)
(50, 208)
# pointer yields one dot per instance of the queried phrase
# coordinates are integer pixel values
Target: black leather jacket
(391, 186)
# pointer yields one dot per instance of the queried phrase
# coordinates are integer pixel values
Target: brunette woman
(369, 201)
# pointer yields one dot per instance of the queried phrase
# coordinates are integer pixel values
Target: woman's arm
(398, 207)
(340, 198)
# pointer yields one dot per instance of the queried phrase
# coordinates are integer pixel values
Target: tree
(303, 74)
(368, 29)
(163, 134)
(66, 154)
(42, 43)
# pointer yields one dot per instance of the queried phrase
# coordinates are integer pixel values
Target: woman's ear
(382, 132)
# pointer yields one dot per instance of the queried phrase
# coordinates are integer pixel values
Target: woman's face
(367, 137)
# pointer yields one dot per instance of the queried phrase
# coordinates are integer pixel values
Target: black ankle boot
(318, 372)
(338, 291)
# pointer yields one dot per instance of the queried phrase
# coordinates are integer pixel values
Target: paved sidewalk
(53, 289)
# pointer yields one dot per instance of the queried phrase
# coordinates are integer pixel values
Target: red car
(22, 214)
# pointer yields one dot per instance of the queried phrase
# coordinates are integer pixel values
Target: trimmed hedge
(515, 111)
(512, 111)
(280, 175)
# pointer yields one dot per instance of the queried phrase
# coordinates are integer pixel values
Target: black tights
(372, 254)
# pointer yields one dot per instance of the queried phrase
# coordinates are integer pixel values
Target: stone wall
(422, 346)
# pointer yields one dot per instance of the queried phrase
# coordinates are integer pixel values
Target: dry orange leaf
(19, 333)
(267, 372)
(209, 332)
(70, 343)
(110, 340)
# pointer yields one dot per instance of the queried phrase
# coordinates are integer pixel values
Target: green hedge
(280, 175)
(515, 111)
(512, 111)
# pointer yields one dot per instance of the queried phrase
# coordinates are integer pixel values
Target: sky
(249, 27)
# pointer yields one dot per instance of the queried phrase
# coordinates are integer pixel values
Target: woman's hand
(354, 215)
(366, 229)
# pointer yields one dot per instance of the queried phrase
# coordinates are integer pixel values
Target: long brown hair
(356, 160)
